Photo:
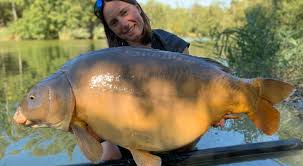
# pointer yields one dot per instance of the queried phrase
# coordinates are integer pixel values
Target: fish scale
(146, 100)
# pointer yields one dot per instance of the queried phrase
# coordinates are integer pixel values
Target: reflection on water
(22, 64)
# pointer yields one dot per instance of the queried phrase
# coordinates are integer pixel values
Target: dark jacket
(164, 40)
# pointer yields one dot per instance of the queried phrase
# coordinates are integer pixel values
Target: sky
(188, 3)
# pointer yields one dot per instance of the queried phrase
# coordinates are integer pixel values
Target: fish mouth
(20, 119)
(32, 124)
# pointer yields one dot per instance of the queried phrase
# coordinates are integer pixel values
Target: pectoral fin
(143, 158)
(89, 145)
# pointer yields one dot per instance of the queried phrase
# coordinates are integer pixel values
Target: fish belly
(158, 125)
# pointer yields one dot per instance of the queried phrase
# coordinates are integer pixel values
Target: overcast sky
(188, 3)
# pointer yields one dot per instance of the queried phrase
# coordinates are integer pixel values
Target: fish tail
(270, 92)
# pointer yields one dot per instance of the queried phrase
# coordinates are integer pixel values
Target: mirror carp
(146, 100)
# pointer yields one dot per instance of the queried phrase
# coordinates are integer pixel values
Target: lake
(24, 63)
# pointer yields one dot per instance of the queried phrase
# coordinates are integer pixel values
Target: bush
(290, 55)
(251, 50)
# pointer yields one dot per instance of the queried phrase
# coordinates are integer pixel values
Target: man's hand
(221, 123)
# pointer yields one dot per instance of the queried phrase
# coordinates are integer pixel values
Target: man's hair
(112, 39)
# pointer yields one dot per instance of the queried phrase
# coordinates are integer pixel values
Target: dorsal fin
(218, 64)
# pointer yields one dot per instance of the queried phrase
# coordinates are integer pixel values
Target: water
(24, 63)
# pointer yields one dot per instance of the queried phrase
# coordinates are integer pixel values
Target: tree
(252, 50)
(11, 10)
(45, 20)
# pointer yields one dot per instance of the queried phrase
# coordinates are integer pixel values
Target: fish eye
(32, 97)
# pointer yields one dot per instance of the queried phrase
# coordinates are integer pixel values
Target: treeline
(74, 19)
(48, 19)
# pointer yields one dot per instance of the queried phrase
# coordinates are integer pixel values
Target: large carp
(146, 100)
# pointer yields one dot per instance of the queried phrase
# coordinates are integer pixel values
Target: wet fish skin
(146, 100)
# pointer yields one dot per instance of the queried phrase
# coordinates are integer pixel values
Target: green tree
(42, 20)
(157, 13)
(291, 16)
(80, 20)
(11, 10)
(46, 19)
(5, 14)
(252, 49)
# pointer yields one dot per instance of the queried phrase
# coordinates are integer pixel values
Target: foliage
(290, 32)
(99, 33)
(74, 19)
(253, 45)
(45, 20)
(291, 17)
(157, 13)
(5, 14)
(267, 44)
(195, 21)
(290, 56)
(41, 20)
(10, 10)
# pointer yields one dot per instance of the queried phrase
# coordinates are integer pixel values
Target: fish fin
(91, 148)
(266, 117)
(143, 158)
(272, 90)
(218, 64)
